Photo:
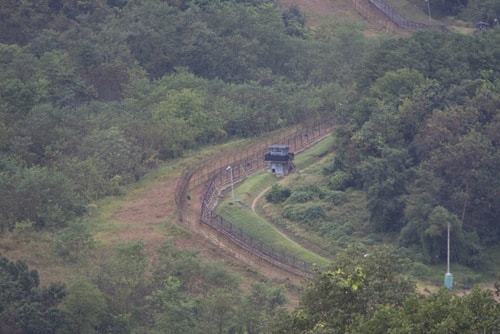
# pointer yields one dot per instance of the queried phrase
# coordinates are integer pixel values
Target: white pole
(448, 251)
(429, 9)
(448, 277)
(232, 186)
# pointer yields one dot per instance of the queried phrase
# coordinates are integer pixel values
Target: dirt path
(143, 216)
(256, 199)
(254, 204)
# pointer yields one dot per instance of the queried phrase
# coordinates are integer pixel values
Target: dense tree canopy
(25, 307)
(94, 94)
(369, 293)
(420, 142)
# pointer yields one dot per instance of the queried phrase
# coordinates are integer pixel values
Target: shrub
(420, 270)
(337, 197)
(304, 214)
(300, 196)
(278, 194)
(340, 180)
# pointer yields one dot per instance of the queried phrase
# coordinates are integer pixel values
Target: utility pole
(448, 277)
(429, 10)
(228, 168)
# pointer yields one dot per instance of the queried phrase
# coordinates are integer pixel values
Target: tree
(24, 305)
(65, 87)
(172, 311)
(220, 310)
(438, 313)
(110, 145)
(269, 299)
(122, 278)
(85, 307)
(154, 41)
(450, 7)
(294, 21)
(351, 288)
(385, 180)
(45, 197)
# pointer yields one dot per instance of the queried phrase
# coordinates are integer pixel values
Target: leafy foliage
(352, 287)
(94, 94)
(24, 305)
(419, 140)
(307, 215)
(278, 194)
(91, 97)
(477, 311)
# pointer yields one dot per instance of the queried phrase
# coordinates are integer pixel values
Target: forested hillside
(96, 94)
(423, 142)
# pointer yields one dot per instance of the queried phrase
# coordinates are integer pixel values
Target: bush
(340, 180)
(306, 215)
(278, 194)
(337, 197)
(300, 196)
(420, 270)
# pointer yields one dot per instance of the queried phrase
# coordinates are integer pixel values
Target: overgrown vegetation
(96, 94)
(369, 293)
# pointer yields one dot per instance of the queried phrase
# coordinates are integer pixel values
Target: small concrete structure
(280, 160)
(481, 25)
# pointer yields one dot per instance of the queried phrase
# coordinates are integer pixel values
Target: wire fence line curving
(215, 178)
(364, 7)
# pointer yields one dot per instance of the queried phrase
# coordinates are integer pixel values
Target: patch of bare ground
(142, 217)
(152, 216)
(145, 217)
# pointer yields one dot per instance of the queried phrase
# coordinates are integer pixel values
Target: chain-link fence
(218, 174)
(364, 7)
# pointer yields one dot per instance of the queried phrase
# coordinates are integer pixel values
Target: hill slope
(344, 10)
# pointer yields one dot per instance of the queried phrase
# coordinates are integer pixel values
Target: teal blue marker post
(448, 281)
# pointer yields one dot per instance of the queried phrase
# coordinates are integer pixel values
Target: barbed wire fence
(215, 177)
(364, 7)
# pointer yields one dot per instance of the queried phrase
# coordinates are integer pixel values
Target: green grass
(313, 155)
(417, 11)
(411, 10)
(310, 164)
(242, 216)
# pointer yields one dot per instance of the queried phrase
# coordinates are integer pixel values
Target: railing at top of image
(400, 21)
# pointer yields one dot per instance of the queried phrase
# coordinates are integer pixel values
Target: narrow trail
(142, 217)
(254, 204)
(256, 199)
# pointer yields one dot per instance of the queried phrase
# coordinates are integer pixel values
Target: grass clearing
(418, 11)
(351, 215)
(313, 155)
(242, 216)
(415, 11)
